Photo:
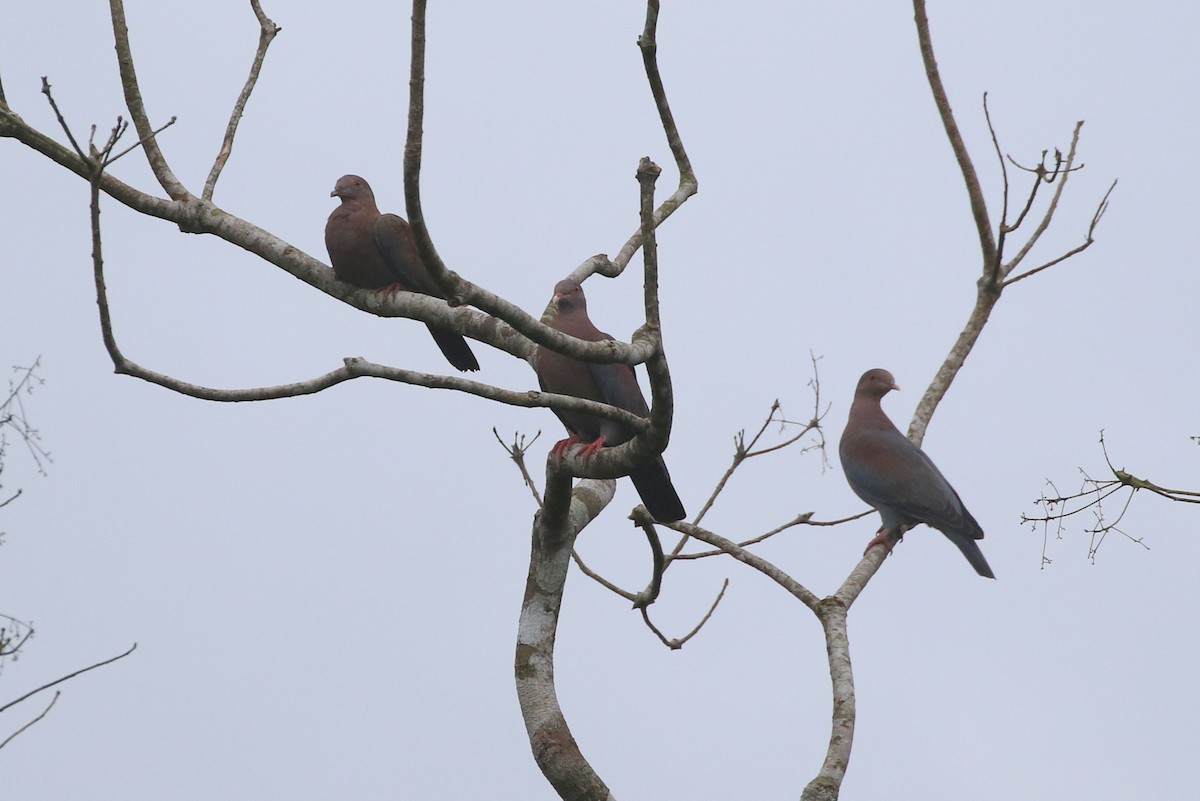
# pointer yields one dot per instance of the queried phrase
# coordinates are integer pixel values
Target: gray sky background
(324, 591)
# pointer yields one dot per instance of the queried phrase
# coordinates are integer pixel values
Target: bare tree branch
(688, 185)
(137, 108)
(555, 529)
(826, 785)
(800, 520)
(601, 580)
(678, 642)
(517, 452)
(67, 677)
(1090, 498)
(13, 637)
(1089, 239)
(13, 415)
(650, 594)
(62, 122)
(266, 34)
(793, 587)
(40, 715)
(991, 283)
(1061, 173)
(983, 225)
(742, 452)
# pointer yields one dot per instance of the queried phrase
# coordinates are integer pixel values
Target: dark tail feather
(971, 551)
(455, 348)
(653, 484)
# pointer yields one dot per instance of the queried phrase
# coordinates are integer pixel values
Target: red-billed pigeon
(893, 475)
(372, 251)
(614, 384)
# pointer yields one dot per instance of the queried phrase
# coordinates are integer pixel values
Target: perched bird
(889, 472)
(614, 384)
(372, 251)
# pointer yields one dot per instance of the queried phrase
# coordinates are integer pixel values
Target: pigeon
(614, 384)
(890, 473)
(373, 251)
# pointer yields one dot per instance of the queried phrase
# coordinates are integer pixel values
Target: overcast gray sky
(324, 591)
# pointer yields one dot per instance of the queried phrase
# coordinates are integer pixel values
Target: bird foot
(562, 445)
(390, 290)
(884, 538)
(591, 449)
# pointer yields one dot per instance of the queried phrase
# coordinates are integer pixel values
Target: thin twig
(678, 642)
(599, 579)
(61, 121)
(979, 212)
(742, 451)
(516, 452)
(21, 632)
(266, 33)
(1091, 497)
(43, 714)
(1103, 207)
(688, 186)
(1062, 176)
(993, 269)
(67, 677)
(795, 588)
(800, 520)
(1040, 176)
(140, 142)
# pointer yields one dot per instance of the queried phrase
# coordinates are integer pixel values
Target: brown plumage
(888, 471)
(372, 251)
(614, 384)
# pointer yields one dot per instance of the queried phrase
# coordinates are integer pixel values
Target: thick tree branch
(137, 108)
(555, 529)
(827, 784)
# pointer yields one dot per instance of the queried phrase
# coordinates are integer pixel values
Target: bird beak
(333, 193)
(895, 386)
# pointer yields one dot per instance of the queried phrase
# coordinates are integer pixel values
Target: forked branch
(994, 274)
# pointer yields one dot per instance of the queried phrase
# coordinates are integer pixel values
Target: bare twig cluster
(1091, 497)
(14, 417)
(13, 636)
(996, 273)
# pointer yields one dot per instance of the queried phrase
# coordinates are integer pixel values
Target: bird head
(876, 383)
(568, 294)
(351, 187)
